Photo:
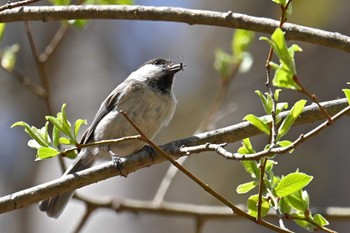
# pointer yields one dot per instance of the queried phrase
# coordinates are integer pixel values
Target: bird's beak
(176, 67)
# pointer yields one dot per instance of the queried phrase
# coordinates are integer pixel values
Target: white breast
(149, 110)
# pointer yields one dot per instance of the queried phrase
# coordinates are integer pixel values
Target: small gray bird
(147, 97)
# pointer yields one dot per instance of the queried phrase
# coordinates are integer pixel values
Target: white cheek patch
(144, 72)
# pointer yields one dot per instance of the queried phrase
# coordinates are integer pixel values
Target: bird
(147, 97)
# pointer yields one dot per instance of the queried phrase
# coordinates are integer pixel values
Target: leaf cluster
(62, 134)
(284, 194)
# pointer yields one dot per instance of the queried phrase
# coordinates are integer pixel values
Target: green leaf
(258, 123)
(251, 167)
(285, 71)
(284, 206)
(55, 136)
(319, 219)
(347, 94)
(247, 147)
(304, 224)
(2, 29)
(46, 152)
(65, 123)
(77, 126)
(32, 132)
(276, 94)
(291, 117)
(78, 23)
(269, 165)
(252, 206)
(266, 101)
(280, 2)
(292, 183)
(55, 122)
(246, 187)
(8, 58)
(60, 2)
(285, 143)
(66, 141)
(284, 78)
(298, 200)
(223, 64)
(241, 41)
(280, 107)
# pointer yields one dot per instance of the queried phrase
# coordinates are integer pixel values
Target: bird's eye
(157, 62)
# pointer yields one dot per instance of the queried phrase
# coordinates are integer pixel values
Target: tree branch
(143, 158)
(180, 15)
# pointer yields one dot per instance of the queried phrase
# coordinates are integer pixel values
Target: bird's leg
(118, 163)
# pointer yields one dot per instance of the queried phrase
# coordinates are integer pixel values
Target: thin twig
(166, 182)
(102, 142)
(10, 5)
(40, 67)
(177, 14)
(313, 97)
(27, 83)
(54, 43)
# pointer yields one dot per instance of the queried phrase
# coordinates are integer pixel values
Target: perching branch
(180, 15)
(143, 159)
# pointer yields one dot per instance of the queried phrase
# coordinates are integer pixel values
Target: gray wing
(107, 105)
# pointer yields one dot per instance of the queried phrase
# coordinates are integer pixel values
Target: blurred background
(89, 63)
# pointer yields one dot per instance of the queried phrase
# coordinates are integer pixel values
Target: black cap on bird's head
(159, 73)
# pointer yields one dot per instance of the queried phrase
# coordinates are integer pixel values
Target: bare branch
(10, 5)
(143, 158)
(180, 15)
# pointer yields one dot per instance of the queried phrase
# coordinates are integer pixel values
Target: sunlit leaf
(291, 117)
(303, 223)
(77, 126)
(320, 220)
(258, 123)
(285, 143)
(246, 187)
(66, 141)
(32, 132)
(2, 29)
(298, 200)
(252, 206)
(292, 183)
(46, 152)
(266, 100)
(347, 94)
(284, 206)
(285, 72)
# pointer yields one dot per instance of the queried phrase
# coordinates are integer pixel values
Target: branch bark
(143, 158)
(180, 15)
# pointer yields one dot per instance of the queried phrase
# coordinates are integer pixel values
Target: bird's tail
(55, 205)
